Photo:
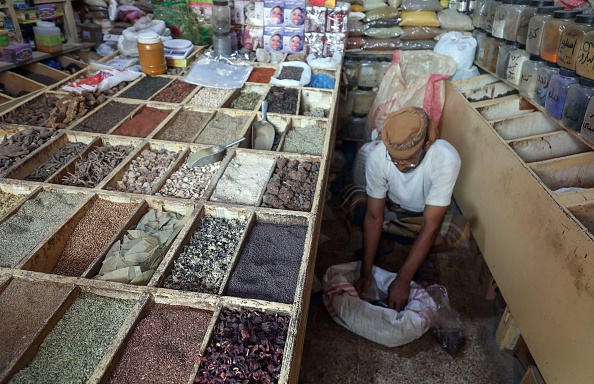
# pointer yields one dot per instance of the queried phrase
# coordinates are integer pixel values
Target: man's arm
(372, 231)
(400, 287)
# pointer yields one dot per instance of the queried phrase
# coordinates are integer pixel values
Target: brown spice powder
(143, 123)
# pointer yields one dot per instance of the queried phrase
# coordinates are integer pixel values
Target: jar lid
(365, 88)
(522, 2)
(45, 24)
(548, 10)
(541, 3)
(567, 72)
(359, 114)
(220, 3)
(177, 44)
(552, 64)
(221, 34)
(149, 38)
(511, 42)
(522, 46)
(534, 57)
(370, 57)
(565, 14)
(584, 18)
(586, 82)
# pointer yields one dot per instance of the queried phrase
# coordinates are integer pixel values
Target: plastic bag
(324, 62)
(447, 324)
(102, 80)
(376, 323)
(421, 5)
(383, 33)
(419, 33)
(453, 20)
(459, 47)
(218, 74)
(356, 42)
(419, 19)
(322, 81)
(356, 16)
(368, 43)
(394, 3)
(414, 79)
(305, 75)
(465, 73)
(178, 19)
(384, 23)
(412, 45)
(371, 5)
(381, 14)
(355, 28)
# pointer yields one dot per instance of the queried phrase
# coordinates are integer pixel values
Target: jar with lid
(48, 37)
(542, 85)
(578, 97)
(515, 63)
(345, 105)
(221, 43)
(551, 33)
(587, 130)
(479, 13)
(364, 97)
(534, 36)
(221, 16)
(382, 68)
(355, 127)
(585, 60)
(488, 20)
(503, 58)
(151, 53)
(512, 23)
(369, 70)
(480, 45)
(529, 78)
(500, 18)
(571, 40)
(557, 93)
(528, 13)
(352, 68)
(491, 63)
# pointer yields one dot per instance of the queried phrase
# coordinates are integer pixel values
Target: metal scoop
(209, 155)
(263, 132)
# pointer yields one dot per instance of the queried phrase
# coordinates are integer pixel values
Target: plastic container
(480, 45)
(584, 65)
(512, 22)
(544, 77)
(479, 13)
(369, 72)
(221, 43)
(578, 97)
(345, 107)
(526, 15)
(516, 61)
(529, 77)
(48, 37)
(501, 18)
(557, 93)
(571, 41)
(551, 34)
(587, 130)
(355, 127)
(221, 16)
(484, 52)
(382, 67)
(151, 54)
(351, 67)
(493, 53)
(364, 97)
(503, 58)
(488, 20)
(534, 37)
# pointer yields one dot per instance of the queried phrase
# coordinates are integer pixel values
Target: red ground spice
(261, 75)
(143, 123)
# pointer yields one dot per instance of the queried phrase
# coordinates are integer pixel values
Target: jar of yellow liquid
(151, 54)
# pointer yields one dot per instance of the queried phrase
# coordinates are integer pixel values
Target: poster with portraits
(274, 38)
(295, 13)
(274, 13)
(293, 40)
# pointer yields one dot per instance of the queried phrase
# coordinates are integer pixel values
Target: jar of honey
(151, 54)
(551, 34)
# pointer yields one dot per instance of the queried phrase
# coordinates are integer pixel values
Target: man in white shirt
(410, 179)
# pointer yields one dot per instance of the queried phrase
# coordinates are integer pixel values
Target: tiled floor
(334, 355)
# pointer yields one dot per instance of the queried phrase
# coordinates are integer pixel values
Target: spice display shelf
(515, 159)
(36, 265)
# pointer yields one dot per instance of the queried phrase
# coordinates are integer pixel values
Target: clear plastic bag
(419, 19)
(383, 33)
(371, 5)
(447, 324)
(368, 43)
(452, 20)
(305, 75)
(356, 28)
(412, 45)
(384, 23)
(421, 5)
(385, 13)
(419, 33)
(213, 73)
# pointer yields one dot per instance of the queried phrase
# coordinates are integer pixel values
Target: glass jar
(221, 43)
(557, 93)
(500, 18)
(571, 41)
(383, 67)
(491, 9)
(529, 78)
(551, 34)
(534, 36)
(221, 16)
(491, 63)
(528, 13)
(515, 64)
(487, 46)
(542, 85)
(480, 45)
(503, 58)
(479, 13)
(151, 53)
(368, 74)
(345, 106)
(352, 68)
(587, 129)
(512, 22)
(364, 97)
(578, 97)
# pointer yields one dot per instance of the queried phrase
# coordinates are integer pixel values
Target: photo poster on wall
(250, 12)
(293, 40)
(273, 38)
(295, 13)
(274, 11)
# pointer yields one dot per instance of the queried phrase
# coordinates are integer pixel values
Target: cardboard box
(183, 63)
(20, 53)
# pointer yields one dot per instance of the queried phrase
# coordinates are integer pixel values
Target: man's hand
(362, 285)
(398, 294)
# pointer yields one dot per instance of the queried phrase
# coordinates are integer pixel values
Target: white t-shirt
(431, 183)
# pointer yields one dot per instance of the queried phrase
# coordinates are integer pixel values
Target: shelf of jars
(214, 260)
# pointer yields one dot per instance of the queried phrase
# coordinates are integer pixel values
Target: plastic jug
(48, 37)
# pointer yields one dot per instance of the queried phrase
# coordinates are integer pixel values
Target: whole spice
(16, 147)
(143, 122)
(145, 88)
(36, 218)
(189, 182)
(305, 140)
(185, 127)
(169, 336)
(290, 73)
(223, 129)
(135, 258)
(106, 118)
(243, 180)
(72, 350)
(247, 347)
(35, 112)
(89, 172)
(72, 107)
(246, 101)
(269, 266)
(211, 97)
(203, 264)
(146, 171)
(24, 308)
(175, 92)
(172, 71)
(92, 233)
(7, 201)
(261, 75)
(57, 161)
(292, 185)
(282, 100)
